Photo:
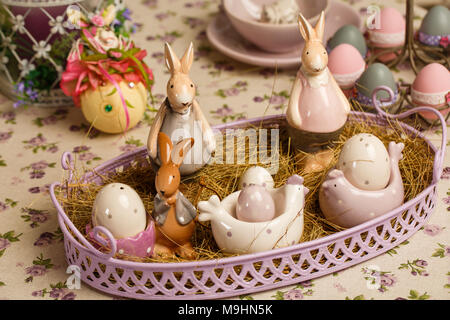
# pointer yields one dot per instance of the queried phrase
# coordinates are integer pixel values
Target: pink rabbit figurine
(317, 109)
(180, 115)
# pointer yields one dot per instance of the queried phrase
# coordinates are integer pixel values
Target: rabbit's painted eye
(192, 85)
(324, 52)
(307, 52)
(108, 108)
(171, 86)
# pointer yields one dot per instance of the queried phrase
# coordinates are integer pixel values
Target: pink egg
(391, 21)
(389, 33)
(431, 87)
(255, 204)
(346, 64)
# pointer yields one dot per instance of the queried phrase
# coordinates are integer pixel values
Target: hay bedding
(222, 179)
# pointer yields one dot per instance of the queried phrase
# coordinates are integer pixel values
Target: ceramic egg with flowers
(105, 74)
(259, 217)
(365, 184)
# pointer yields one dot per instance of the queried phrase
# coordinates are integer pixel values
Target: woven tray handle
(67, 164)
(440, 154)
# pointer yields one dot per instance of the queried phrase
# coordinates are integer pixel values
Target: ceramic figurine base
(311, 142)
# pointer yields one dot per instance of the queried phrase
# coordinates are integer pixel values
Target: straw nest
(222, 179)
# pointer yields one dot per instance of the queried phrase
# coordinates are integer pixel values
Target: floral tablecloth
(32, 262)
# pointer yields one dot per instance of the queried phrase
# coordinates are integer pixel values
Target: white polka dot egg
(365, 162)
(119, 209)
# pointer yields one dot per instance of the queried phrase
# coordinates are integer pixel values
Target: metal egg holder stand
(414, 52)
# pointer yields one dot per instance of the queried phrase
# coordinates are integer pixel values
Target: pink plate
(225, 38)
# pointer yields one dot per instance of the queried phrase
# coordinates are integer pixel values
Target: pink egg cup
(140, 245)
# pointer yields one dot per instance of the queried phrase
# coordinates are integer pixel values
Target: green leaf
(221, 93)
(112, 92)
(2, 252)
(2, 284)
(425, 296)
(413, 294)
(129, 104)
(279, 295)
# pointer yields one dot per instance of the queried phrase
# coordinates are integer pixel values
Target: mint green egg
(436, 22)
(351, 35)
(376, 75)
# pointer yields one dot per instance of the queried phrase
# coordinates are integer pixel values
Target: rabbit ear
(165, 148)
(180, 150)
(320, 27)
(172, 61)
(188, 58)
(306, 29)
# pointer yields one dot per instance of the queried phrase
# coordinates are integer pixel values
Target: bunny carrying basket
(248, 273)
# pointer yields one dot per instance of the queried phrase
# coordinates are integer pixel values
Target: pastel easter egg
(255, 204)
(389, 33)
(391, 29)
(256, 175)
(436, 22)
(349, 34)
(118, 208)
(365, 162)
(103, 107)
(377, 74)
(346, 64)
(431, 87)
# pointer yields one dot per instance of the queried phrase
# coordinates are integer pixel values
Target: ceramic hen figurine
(347, 205)
(180, 115)
(317, 109)
(173, 213)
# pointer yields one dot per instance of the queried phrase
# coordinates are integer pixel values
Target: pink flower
(98, 21)
(432, 229)
(293, 294)
(41, 165)
(36, 270)
(444, 42)
(4, 243)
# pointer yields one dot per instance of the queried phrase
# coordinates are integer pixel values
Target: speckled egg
(389, 33)
(377, 74)
(365, 162)
(256, 175)
(119, 209)
(346, 64)
(255, 204)
(351, 35)
(435, 26)
(431, 87)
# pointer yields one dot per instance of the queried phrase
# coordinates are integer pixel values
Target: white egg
(365, 162)
(119, 209)
(256, 175)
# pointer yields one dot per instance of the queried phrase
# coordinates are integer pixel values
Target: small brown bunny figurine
(173, 213)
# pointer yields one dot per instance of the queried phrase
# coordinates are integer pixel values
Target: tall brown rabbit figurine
(180, 115)
(173, 213)
(317, 109)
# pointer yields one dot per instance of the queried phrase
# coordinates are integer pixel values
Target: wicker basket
(252, 272)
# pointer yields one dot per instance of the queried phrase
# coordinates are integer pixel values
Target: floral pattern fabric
(32, 261)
